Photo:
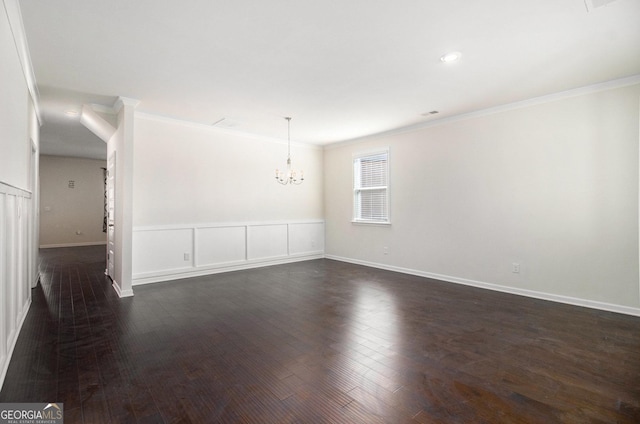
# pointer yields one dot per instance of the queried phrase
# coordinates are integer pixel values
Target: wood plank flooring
(316, 342)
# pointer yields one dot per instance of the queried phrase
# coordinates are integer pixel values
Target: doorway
(111, 215)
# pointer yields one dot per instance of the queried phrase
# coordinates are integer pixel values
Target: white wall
(19, 144)
(121, 144)
(551, 186)
(187, 173)
(66, 211)
(206, 200)
(14, 159)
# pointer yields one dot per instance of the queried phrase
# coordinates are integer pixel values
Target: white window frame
(357, 189)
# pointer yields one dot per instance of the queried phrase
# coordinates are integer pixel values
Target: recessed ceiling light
(450, 57)
(72, 113)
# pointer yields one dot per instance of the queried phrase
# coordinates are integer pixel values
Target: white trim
(13, 340)
(163, 276)
(224, 224)
(14, 191)
(288, 241)
(178, 269)
(14, 16)
(580, 91)
(380, 223)
(121, 293)
(194, 247)
(124, 101)
(90, 243)
(496, 287)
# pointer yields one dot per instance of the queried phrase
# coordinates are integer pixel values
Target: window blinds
(371, 185)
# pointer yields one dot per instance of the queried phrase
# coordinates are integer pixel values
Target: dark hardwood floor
(315, 342)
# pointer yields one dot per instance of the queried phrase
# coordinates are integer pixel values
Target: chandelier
(289, 176)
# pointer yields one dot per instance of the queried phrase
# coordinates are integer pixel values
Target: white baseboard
(627, 310)
(181, 273)
(91, 243)
(121, 293)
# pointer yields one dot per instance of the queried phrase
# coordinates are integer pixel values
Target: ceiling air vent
(594, 4)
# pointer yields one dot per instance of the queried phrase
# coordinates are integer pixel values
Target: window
(371, 187)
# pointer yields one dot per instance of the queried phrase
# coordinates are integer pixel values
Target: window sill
(380, 223)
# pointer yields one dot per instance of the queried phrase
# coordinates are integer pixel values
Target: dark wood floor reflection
(314, 342)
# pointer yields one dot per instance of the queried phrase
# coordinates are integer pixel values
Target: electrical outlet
(515, 268)
(385, 250)
(186, 256)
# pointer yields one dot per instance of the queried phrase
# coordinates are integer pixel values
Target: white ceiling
(342, 69)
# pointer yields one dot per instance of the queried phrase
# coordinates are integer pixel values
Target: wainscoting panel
(221, 245)
(267, 241)
(15, 256)
(162, 250)
(306, 237)
(4, 275)
(169, 253)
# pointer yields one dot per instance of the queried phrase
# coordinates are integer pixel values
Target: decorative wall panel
(173, 252)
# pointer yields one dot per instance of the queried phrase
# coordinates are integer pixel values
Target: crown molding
(14, 16)
(581, 91)
(125, 101)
